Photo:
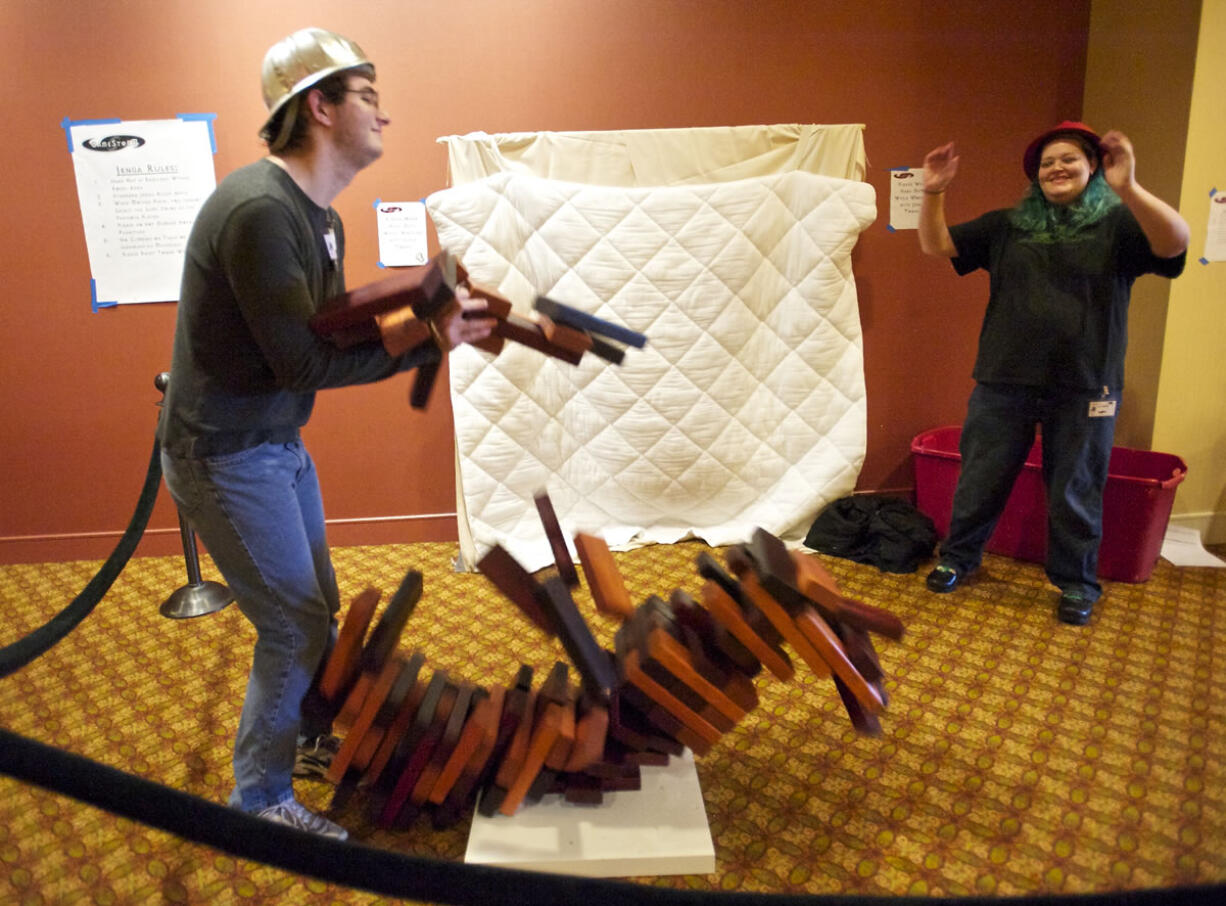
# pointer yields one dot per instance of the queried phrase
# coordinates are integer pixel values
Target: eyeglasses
(369, 95)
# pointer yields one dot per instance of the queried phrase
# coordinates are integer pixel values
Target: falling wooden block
(364, 721)
(724, 609)
(830, 649)
(515, 583)
(783, 622)
(589, 658)
(386, 634)
(604, 579)
(557, 542)
(813, 579)
(343, 663)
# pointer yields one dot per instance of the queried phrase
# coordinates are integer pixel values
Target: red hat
(1072, 128)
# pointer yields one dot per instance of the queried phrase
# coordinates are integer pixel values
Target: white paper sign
(906, 194)
(402, 233)
(1215, 236)
(140, 184)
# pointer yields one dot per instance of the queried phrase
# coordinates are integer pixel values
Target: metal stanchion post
(197, 597)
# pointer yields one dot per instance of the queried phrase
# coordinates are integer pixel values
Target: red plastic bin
(1136, 504)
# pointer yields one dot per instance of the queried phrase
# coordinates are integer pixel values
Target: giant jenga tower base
(660, 829)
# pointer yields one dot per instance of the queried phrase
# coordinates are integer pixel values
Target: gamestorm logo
(113, 142)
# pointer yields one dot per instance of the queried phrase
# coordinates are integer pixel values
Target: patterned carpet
(1020, 755)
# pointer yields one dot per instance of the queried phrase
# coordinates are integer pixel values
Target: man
(266, 250)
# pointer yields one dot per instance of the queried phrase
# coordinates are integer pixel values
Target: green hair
(1047, 222)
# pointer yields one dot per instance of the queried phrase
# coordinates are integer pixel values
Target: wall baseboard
(1212, 526)
(164, 542)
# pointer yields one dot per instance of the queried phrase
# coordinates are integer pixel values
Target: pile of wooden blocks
(681, 675)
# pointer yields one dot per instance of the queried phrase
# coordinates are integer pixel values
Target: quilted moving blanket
(747, 406)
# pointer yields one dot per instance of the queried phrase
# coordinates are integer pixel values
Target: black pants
(997, 435)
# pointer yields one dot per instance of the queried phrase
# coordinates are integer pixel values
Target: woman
(1051, 349)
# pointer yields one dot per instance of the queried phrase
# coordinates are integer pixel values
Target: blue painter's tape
(1204, 260)
(376, 204)
(93, 297)
(202, 118)
(890, 228)
(68, 123)
(1213, 191)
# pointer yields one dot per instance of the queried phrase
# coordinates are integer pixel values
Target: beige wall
(1139, 67)
(1191, 411)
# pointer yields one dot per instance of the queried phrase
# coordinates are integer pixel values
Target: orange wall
(76, 387)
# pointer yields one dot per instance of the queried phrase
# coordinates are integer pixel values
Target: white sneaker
(293, 813)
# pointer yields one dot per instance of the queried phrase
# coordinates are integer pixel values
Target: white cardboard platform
(660, 829)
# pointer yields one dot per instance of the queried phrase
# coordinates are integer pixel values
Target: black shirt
(1057, 312)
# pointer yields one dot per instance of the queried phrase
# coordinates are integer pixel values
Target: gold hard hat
(297, 62)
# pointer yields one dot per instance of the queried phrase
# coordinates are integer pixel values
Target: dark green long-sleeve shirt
(246, 364)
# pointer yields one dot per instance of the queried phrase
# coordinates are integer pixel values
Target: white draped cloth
(746, 408)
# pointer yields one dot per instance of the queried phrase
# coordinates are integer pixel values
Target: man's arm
(940, 166)
(1164, 228)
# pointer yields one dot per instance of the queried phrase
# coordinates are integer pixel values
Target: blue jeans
(260, 516)
(997, 436)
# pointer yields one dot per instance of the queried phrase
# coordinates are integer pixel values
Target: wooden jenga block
(721, 646)
(430, 722)
(452, 730)
(513, 759)
(589, 658)
(725, 610)
(664, 722)
(581, 320)
(783, 622)
(860, 651)
(400, 330)
(828, 646)
(473, 748)
(666, 651)
(813, 579)
(519, 329)
(342, 667)
(557, 541)
(516, 584)
(363, 723)
(386, 634)
(864, 723)
(406, 697)
(709, 569)
(516, 709)
(583, 790)
(576, 341)
(628, 725)
(723, 676)
(558, 756)
(423, 289)
(407, 749)
(544, 733)
(639, 678)
(352, 705)
(591, 734)
(604, 579)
